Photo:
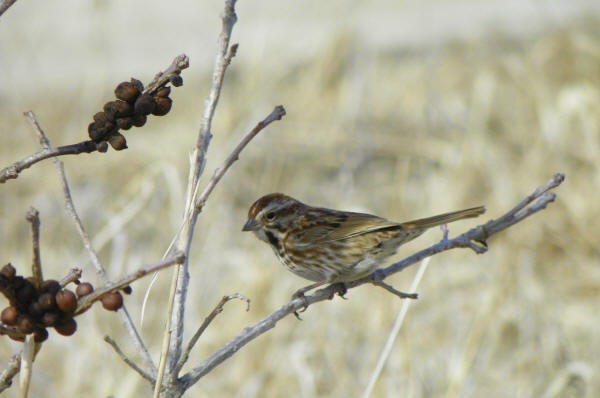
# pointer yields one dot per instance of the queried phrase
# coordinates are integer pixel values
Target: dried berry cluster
(130, 109)
(32, 309)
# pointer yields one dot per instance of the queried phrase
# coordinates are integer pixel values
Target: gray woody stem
(173, 334)
(218, 309)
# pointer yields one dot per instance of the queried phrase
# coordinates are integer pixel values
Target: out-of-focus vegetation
(396, 132)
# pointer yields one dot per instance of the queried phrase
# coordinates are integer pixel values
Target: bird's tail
(445, 218)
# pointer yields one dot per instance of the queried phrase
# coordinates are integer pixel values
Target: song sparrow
(328, 246)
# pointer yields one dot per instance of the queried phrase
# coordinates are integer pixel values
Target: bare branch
(85, 302)
(480, 233)
(173, 335)
(73, 275)
(70, 206)
(276, 114)
(33, 216)
(216, 311)
(180, 63)
(5, 5)
(12, 171)
(11, 371)
(128, 361)
(11, 332)
(27, 357)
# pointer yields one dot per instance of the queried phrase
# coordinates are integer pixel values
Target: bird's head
(271, 216)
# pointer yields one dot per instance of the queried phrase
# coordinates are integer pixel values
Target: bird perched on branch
(329, 246)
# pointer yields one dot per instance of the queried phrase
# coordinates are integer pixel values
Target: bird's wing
(338, 226)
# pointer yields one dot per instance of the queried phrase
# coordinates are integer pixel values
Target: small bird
(330, 246)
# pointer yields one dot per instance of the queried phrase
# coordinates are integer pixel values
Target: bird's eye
(270, 216)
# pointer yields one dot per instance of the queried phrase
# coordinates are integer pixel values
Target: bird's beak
(251, 225)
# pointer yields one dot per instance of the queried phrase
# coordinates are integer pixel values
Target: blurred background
(401, 109)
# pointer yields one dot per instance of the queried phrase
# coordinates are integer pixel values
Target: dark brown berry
(83, 289)
(127, 289)
(138, 120)
(176, 80)
(26, 293)
(18, 282)
(95, 132)
(40, 335)
(112, 301)
(50, 286)
(138, 84)
(117, 141)
(66, 301)
(35, 309)
(124, 123)
(8, 271)
(102, 147)
(127, 91)
(163, 92)
(50, 318)
(47, 301)
(9, 316)
(116, 109)
(67, 327)
(144, 104)
(25, 324)
(163, 106)
(100, 118)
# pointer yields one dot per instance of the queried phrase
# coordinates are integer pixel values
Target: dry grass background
(397, 130)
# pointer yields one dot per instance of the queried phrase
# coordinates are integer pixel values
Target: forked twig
(216, 311)
(277, 113)
(173, 334)
(128, 361)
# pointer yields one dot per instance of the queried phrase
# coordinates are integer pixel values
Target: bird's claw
(338, 288)
(300, 295)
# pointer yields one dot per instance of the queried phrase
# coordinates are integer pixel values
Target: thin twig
(173, 334)
(70, 206)
(5, 4)
(128, 361)
(85, 302)
(180, 63)
(277, 113)
(207, 321)
(480, 233)
(12, 171)
(387, 348)
(14, 365)
(27, 356)
(33, 216)
(11, 332)
(73, 275)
